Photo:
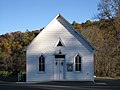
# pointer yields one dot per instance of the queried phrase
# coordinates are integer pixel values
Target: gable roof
(60, 16)
(74, 32)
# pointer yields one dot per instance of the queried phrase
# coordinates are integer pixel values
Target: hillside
(12, 57)
(104, 36)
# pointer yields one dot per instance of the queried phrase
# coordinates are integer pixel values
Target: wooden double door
(59, 69)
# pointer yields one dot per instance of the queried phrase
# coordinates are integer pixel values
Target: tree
(108, 56)
(12, 57)
(108, 9)
(77, 26)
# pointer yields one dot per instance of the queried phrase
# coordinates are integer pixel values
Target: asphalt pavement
(98, 84)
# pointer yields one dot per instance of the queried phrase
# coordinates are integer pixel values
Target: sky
(20, 15)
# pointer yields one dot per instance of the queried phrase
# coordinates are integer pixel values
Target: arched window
(41, 63)
(77, 63)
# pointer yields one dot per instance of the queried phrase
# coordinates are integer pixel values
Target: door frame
(59, 57)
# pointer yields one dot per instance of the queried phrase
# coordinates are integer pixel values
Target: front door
(59, 69)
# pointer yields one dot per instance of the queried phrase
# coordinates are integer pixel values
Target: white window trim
(58, 42)
(81, 64)
(38, 64)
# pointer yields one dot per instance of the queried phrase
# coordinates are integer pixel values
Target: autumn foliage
(12, 45)
(105, 38)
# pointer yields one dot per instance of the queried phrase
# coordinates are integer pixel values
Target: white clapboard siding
(45, 43)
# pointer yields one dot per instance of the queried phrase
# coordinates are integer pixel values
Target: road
(99, 84)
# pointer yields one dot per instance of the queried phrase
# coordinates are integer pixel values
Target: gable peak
(58, 15)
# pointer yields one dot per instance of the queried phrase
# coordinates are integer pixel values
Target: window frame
(75, 63)
(61, 41)
(43, 63)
